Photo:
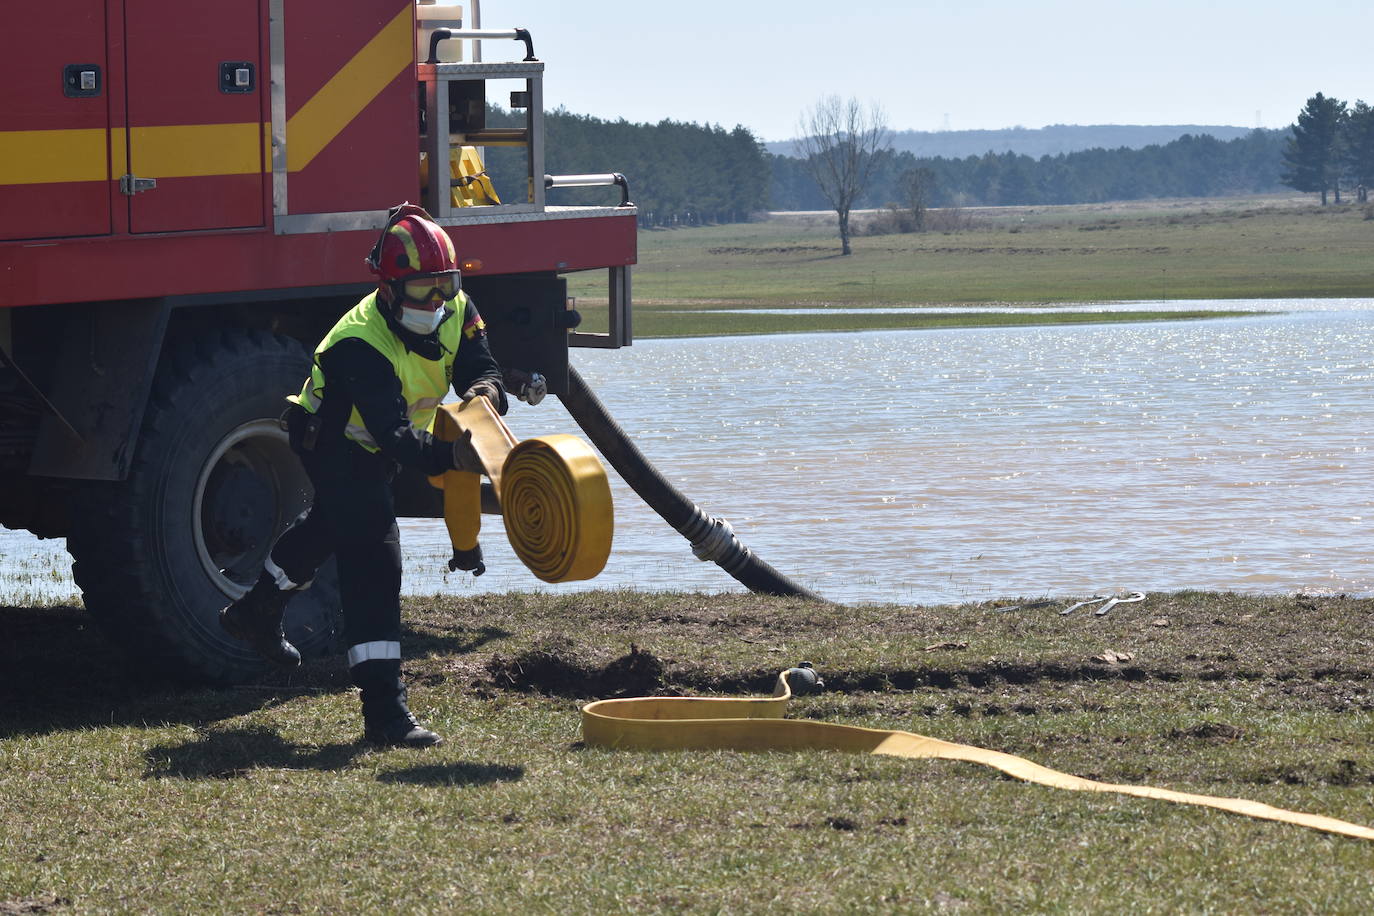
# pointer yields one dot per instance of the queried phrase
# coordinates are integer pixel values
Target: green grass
(123, 795)
(1148, 251)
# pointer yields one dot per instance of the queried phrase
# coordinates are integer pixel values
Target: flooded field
(972, 464)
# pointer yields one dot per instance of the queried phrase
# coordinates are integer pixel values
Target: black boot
(387, 721)
(402, 731)
(256, 619)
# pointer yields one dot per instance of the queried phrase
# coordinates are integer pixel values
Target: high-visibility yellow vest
(424, 382)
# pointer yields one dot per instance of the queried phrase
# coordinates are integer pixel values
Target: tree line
(688, 174)
(1331, 147)
(1191, 166)
(680, 174)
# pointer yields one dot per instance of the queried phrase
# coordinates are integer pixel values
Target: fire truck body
(189, 186)
(182, 183)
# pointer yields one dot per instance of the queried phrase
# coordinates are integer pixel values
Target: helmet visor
(425, 290)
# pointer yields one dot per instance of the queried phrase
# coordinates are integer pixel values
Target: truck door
(195, 115)
(54, 122)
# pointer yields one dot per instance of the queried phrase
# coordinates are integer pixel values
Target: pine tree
(1312, 160)
(1359, 148)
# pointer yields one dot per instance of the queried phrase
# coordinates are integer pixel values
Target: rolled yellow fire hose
(554, 496)
(706, 723)
(556, 505)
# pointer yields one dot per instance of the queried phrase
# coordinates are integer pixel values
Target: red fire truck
(187, 194)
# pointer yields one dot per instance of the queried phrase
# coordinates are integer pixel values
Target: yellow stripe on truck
(194, 150)
(349, 91)
(191, 150)
(46, 156)
(177, 151)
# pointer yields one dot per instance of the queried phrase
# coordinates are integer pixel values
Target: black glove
(489, 390)
(468, 561)
(465, 456)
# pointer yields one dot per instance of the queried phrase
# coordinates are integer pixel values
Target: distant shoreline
(1191, 249)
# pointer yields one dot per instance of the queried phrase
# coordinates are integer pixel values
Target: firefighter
(377, 380)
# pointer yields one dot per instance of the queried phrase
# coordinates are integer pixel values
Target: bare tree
(840, 142)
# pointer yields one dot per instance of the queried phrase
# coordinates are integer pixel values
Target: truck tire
(212, 484)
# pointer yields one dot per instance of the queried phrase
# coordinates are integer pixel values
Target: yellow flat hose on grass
(554, 495)
(704, 723)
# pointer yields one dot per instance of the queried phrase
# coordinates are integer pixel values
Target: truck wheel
(212, 485)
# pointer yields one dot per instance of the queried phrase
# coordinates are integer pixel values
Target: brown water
(960, 465)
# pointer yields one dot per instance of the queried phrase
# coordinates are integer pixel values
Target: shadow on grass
(463, 773)
(236, 752)
(61, 672)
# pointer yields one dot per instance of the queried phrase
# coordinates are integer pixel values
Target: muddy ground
(1279, 652)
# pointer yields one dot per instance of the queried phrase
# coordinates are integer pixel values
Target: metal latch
(237, 76)
(81, 81)
(130, 185)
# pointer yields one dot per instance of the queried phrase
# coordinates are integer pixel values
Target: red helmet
(412, 245)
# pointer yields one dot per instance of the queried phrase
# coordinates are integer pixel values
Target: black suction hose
(711, 538)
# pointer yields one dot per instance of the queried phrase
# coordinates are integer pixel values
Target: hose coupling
(468, 561)
(530, 387)
(713, 540)
(803, 679)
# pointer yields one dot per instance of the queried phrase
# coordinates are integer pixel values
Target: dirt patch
(777, 249)
(558, 673)
(564, 672)
(633, 673)
(1333, 773)
(1209, 731)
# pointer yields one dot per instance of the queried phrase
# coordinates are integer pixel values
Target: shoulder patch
(474, 326)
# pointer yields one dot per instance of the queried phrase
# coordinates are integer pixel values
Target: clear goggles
(424, 290)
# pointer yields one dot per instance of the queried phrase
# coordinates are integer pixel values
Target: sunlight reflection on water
(968, 464)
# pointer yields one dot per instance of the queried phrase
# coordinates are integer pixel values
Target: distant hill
(1037, 142)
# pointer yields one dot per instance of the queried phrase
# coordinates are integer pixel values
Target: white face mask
(421, 321)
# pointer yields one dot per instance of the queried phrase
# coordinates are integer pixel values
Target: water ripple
(968, 464)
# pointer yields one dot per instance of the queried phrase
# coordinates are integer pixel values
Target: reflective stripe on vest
(424, 382)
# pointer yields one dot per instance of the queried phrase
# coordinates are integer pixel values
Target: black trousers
(353, 517)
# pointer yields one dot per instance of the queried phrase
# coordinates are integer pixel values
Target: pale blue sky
(960, 64)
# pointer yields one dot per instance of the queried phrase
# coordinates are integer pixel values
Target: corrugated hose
(711, 538)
